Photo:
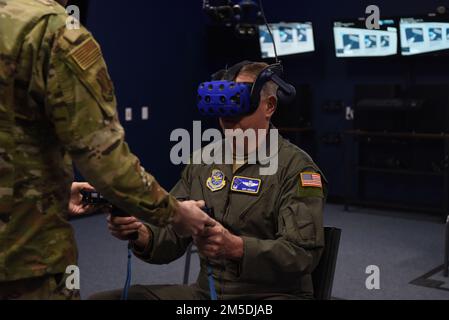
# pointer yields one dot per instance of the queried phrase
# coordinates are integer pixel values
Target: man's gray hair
(253, 70)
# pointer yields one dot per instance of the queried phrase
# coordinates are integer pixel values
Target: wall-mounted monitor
(423, 35)
(353, 39)
(290, 38)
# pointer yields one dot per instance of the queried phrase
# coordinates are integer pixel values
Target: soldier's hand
(218, 242)
(190, 219)
(76, 207)
(122, 227)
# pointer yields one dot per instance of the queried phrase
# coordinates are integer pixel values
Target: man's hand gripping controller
(94, 198)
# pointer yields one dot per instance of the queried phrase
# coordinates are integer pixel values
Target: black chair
(446, 251)
(323, 276)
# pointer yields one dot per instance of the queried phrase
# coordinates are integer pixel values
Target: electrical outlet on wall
(145, 113)
(128, 114)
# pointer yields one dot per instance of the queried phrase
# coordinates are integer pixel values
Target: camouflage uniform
(57, 105)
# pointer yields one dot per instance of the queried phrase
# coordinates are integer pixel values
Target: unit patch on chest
(217, 181)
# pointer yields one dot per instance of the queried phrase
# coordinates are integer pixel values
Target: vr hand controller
(209, 212)
(96, 199)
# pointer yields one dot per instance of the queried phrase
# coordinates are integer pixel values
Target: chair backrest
(323, 276)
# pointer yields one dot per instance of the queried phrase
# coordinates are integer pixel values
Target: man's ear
(271, 106)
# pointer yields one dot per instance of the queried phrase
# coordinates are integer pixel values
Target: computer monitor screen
(290, 38)
(423, 35)
(353, 39)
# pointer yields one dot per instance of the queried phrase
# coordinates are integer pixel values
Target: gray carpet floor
(404, 246)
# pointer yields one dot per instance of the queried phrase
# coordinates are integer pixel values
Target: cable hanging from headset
(269, 30)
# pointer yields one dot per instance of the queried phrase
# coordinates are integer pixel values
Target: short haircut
(253, 70)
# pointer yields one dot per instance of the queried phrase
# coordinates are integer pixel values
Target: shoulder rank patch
(311, 179)
(246, 185)
(86, 54)
(217, 181)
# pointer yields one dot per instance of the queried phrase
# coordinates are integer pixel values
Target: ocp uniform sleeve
(82, 106)
(165, 245)
(300, 235)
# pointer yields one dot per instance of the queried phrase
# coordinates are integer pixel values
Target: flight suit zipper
(225, 214)
(223, 269)
(247, 210)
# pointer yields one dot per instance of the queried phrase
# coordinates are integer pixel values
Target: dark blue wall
(158, 53)
(155, 53)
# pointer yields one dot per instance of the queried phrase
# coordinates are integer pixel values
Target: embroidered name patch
(246, 185)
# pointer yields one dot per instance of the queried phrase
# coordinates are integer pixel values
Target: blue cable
(128, 276)
(213, 292)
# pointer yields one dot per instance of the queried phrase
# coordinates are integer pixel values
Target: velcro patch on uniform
(86, 54)
(105, 83)
(310, 179)
(217, 181)
(246, 185)
(73, 35)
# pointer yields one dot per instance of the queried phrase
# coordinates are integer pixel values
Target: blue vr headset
(224, 98)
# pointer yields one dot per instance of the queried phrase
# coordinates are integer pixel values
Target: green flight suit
(57, 108)
(281, 225)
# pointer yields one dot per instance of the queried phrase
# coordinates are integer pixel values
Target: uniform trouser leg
(155, 292)
(51, 287)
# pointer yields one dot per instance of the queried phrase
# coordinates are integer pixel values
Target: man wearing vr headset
(57, 106)
(269, 237)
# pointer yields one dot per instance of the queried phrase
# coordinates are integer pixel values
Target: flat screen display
(422, 35)
(290, 38)
(353, 39)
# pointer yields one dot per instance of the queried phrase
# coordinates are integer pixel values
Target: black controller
(209, 211)
(94, 198)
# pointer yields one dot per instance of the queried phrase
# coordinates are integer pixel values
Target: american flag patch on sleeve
(309, 179)
(86, 54)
